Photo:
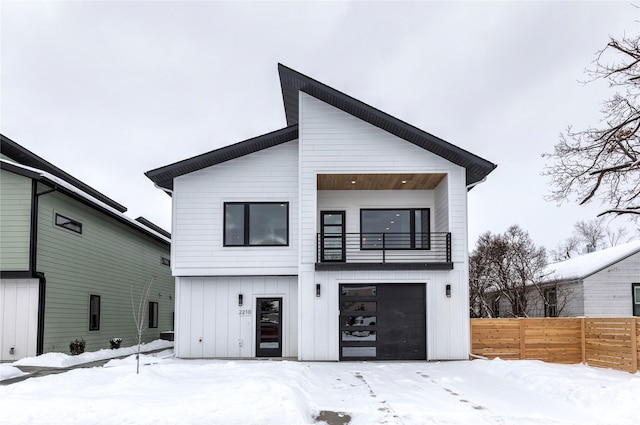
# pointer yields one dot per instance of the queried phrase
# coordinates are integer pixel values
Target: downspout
(33, 251)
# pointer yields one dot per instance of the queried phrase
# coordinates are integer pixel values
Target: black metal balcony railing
(383, 248)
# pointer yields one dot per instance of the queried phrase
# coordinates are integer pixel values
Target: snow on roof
(588, 264)
(101, 205)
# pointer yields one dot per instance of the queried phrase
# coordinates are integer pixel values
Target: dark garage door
(382, 322)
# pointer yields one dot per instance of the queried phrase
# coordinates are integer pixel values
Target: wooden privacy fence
(603, 342)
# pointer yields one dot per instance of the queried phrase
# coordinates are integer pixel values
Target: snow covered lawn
(174, 391)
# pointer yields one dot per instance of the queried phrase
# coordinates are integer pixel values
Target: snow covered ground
(174, 391)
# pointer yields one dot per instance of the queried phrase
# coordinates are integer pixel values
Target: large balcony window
(256, 224)
(395, 228)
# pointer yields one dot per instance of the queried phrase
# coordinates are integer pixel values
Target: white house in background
(603, 283)
(342, 236)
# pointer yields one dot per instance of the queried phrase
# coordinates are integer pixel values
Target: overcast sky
(109, 90)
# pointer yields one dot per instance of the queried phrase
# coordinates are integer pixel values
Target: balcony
(384, 251)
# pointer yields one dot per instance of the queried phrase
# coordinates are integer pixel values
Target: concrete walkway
(37, 371)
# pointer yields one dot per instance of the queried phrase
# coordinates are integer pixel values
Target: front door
(269, 327)
(333, 236)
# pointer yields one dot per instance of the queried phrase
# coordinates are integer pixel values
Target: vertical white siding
(270, 175)
(332, 141)
(446, 337)
(18, 318)
(210, 323)
(608, 292)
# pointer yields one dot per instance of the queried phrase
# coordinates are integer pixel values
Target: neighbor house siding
(608, 292)
(210, 323)
(107, 259)
(334, 142)
(15, 221)
(569, 296)
(198, 205)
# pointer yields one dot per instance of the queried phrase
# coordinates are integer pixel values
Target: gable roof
(588, 264)
(21, 155)
(163, 176)
(291, 83)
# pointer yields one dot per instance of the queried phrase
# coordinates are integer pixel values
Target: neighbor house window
(94, 312)
(636, 298)
(256, 224)
(153, 314)
(69, 224)
(395, 228)
(550, 302)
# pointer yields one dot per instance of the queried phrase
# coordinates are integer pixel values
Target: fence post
(522, 344)
(583, 341)
(634, 346)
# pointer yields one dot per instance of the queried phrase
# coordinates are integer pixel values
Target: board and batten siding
(270, 175)
(107, 259)
(18, 318)
(446, 331)
(334, 142)
(210, 323)
(15, 221)
(608, 292)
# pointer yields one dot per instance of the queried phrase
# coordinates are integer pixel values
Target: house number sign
(244, 312)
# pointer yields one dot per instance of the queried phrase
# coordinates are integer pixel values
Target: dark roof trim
(163, 176)
(153, 227)
(24, 156)
(142, 228)
(292, 81)
(143, 225)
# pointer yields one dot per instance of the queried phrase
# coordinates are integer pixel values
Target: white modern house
(603, 283)
(342, 236)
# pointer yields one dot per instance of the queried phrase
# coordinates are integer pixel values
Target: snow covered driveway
(173, 391)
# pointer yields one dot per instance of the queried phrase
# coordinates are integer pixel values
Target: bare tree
(591, 232)
(603, 162)
(506, 265)
(140, 317)
(615, 237)
(569, 248)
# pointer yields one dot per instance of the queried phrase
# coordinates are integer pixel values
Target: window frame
(550, 310)
(93, 297)
(412, 232)
(247, 224)
(154, 309)
(68, 222)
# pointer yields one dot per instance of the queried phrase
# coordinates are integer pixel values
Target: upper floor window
(256, 224)
(395, 228)
(67, 223)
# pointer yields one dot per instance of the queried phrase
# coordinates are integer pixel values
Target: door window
(269, 327)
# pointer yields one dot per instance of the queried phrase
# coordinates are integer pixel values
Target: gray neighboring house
(69, 258)
(604, 283)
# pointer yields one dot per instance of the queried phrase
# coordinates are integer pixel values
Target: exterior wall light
(240, 299)
(317, 289)
(448, 290)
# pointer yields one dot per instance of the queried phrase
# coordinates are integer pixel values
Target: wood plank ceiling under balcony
(379, 181)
